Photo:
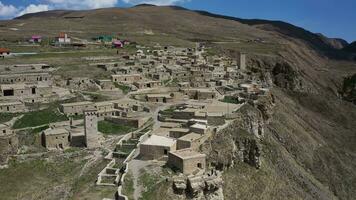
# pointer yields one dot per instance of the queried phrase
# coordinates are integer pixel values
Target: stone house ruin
(8, 143)
(147, 84)
(104, 109)
(159, 98)
(106, 84)
(12, 107)
(57, 138)
(126, 78)
(76, 108)
(187, 161)
(199, 93)
(26, 78)
(191, 140)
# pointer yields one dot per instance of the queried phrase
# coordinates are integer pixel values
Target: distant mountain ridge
(316, 40)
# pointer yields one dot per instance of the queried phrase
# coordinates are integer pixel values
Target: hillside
(350, 48)
(309, 145)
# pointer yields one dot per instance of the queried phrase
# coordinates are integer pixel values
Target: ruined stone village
(174, 100)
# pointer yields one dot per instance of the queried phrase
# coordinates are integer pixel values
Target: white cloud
(154, 2)
(7, 10)
(33, 9)
(82, 4)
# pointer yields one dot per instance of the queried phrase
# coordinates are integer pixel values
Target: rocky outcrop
(200, 187)
(251, 152)
(284, 76)
(348, 92)
(240, 141)
(179, 184)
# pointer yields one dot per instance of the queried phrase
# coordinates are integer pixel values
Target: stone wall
(8, 146)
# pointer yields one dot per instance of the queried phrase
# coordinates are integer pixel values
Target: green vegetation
(154, 186)
(72, 149)
(229, 99)
(41, 117)
(349, 89)
(5, 117)
(96, 97)
(128, 187)
(164, 82)
(148, 181)
(76, 117)
(124, 88)
(84, 186)
(173, 83)
(39, 129)
(34, 179)
(127, 149)
(113, 129)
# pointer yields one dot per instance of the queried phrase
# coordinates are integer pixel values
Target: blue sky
(333, 18)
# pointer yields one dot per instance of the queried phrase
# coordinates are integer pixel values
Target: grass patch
(41, 117)
(5, 117)
(84, 187)
(95, 97)
(154, 187)
(76, 117)
(128, 187)
(39, 129)
(173, 83)
(36, 179)
(124, 88)
(110, 128)
(233, 100)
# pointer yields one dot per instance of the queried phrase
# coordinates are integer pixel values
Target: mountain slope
(350, 48)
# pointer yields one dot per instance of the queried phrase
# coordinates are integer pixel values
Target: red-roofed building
(63, 39)
(36, 39)
(117, 44)
(4, 52)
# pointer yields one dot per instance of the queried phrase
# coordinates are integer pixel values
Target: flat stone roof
(187, 154)
(199, 126)
(182, 130)
(10, 103)
(190, 137)
(158, 96)
(170, 125)
(156, 140)
(12, 86)
(221, 107)
(199, 89)
(3, 126)
(199, 121)
(78, 103)
(56, 131)
(125, 75)
(104, 103)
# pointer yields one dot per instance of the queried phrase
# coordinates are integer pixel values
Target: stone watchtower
(241, 61)
(91, 128)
